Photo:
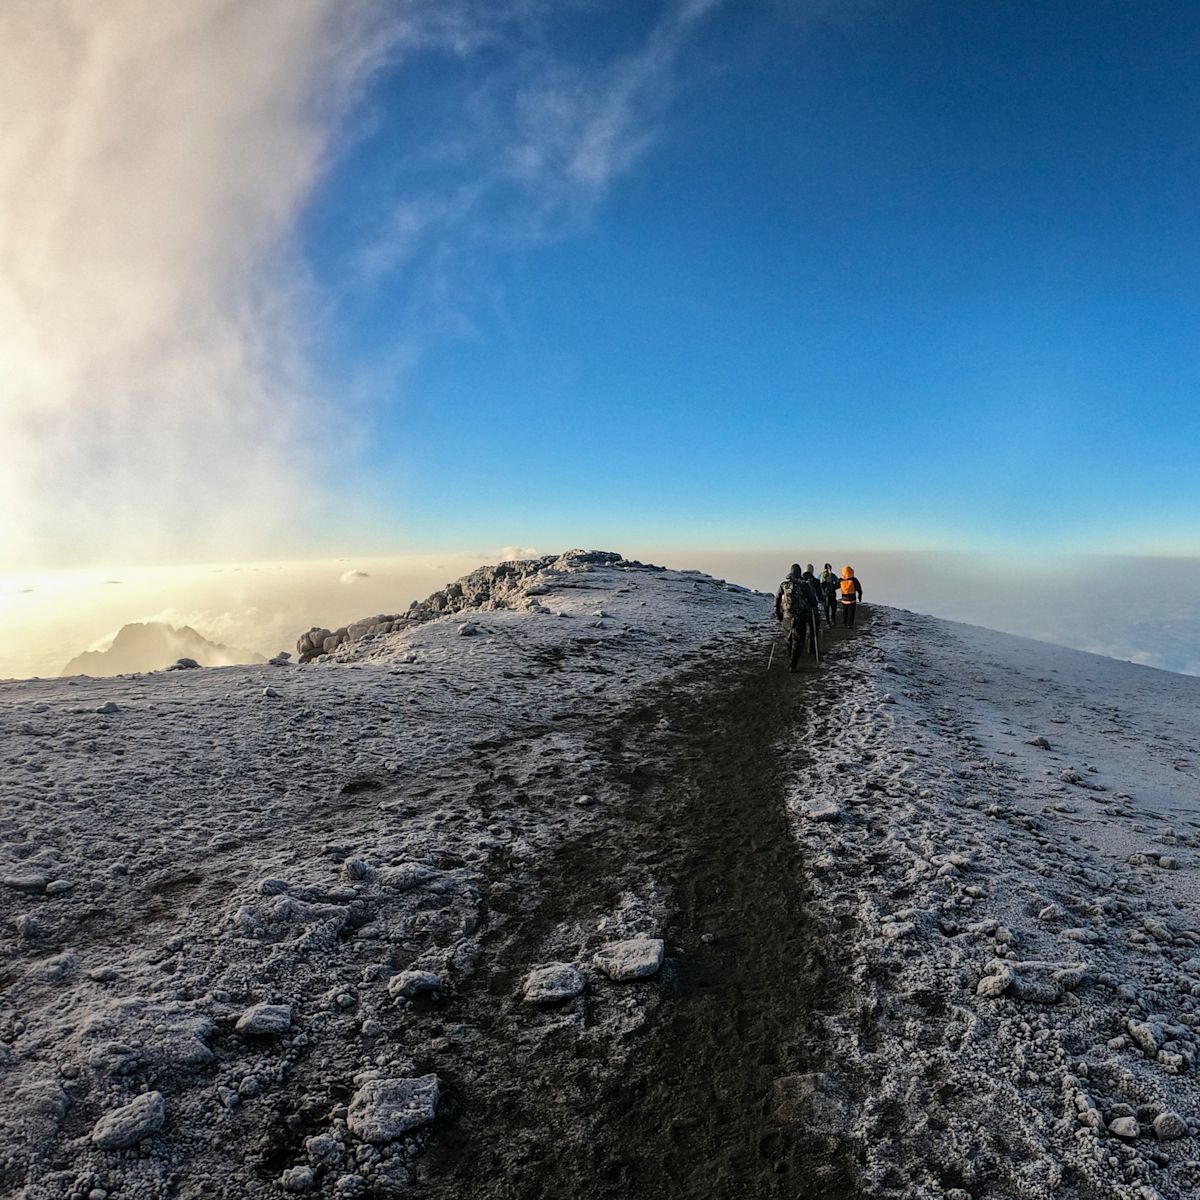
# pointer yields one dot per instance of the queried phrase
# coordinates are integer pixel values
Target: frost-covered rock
(356, 870)
(127, 1126)
(822, 809)
(554, 982)
(385, 1109)
(26, 880)
(324, 1150)
(1124, 1127)
(298, 1179)
(406, 875)
(408, 984)
(1169, 1127)
(266, 1020)
(635, 958)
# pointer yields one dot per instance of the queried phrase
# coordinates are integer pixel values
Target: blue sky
(921, 275)
(457, 275)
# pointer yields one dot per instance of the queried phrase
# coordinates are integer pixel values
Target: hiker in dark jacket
(796, 608)
(829, 592)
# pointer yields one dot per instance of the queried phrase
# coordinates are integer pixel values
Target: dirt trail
(693, 1110)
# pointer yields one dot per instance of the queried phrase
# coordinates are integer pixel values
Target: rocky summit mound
(515, 585)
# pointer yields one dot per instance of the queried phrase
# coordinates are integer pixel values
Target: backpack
(848, 590)
(795, 597)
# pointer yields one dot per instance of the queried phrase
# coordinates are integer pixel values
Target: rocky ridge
(514, 585)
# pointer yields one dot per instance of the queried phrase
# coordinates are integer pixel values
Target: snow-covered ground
(259, 925)
(1005, 835)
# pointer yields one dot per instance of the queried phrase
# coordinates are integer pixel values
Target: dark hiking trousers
(802, 632)
(848, 611)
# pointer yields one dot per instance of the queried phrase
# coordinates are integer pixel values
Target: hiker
(829, 592)
(796, 608)
(851, 591)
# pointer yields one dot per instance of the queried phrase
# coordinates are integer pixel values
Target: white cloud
(352, 576)
(153, 162)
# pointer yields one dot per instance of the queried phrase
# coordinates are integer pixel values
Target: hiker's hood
(847, 572)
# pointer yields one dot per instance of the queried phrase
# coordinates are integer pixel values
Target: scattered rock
(356, 869)
(991, 986)
(1042, 743)
(1124, 1127)
(635, 958)
(298, 1179)
(108, 708)
(25, 881)
(27, 927)
(127, 1126)
(1169, 1127)
(1037, 991)
(408, 984)
(822, 810)
(266, 1020)
(323, 1150)
(385, 1109)
(406, 875)
(554, 982)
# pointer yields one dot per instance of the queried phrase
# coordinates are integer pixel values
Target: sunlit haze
(263, 607)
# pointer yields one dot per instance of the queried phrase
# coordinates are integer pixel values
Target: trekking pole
(816, 639)
(771, 659)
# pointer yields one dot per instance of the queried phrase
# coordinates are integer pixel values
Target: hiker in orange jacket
(851, 594)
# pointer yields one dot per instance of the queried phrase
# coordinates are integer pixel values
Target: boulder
(385, 1109)
(266, 1020)
(635, 958)
(554, 982)
(408, 984)
(1170, 1127)
(127, 1126)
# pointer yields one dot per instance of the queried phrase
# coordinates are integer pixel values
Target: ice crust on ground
(1000, 845)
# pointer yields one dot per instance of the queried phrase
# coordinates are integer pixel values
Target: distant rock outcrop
(506, 585)
(153, 646)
